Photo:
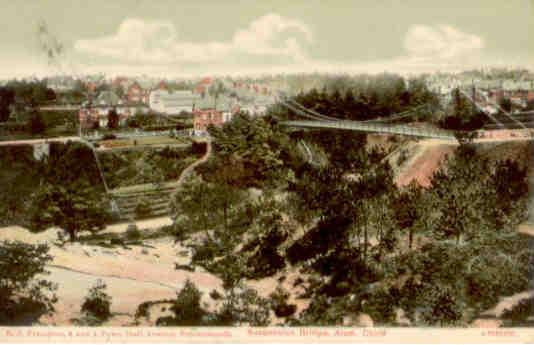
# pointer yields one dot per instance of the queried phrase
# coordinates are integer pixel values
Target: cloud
(442, 42)
(158, 42)
(269, 44)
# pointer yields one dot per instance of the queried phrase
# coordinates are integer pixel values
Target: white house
(175, 102)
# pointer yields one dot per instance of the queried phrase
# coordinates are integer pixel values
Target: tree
(7, 98)
(506, 104)
(216, 90)
(37, 124)
(113, 119)
(253, 142)
(186, 308)
(143, 208)
(24, 294)
(243, 307)
(97, 303)
(407, 209)
(201, 205)
(73, 208)
(461, 196)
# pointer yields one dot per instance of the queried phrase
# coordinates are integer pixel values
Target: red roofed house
(135, 93)
(162, 86)
(203, 118)
(203, 85)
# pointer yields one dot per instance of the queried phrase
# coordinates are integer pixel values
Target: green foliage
(324, 311)
(279, 305)
(132, 232)
(270, 228)
(238, 308)
(464, 116)
(243, 307)
(37, 124)
(24, 294)
(203, 206)
(133, 167)
(470, 202)
(441, 307)
(97, 303)
(253, 143)
(18, 178)
(31, 93)
(519, 313)
(367, 97)
(73, 208)
(142, 209)
(186, 308)
(7, 98)
(113, 119)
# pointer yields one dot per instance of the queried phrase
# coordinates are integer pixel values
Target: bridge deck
(375, 128)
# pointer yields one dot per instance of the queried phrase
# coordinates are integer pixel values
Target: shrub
(520, 312)
(403, 157)
(279, 303)
(215, 295)
(186, 308)
(116, 241)
(142, 209)
(24, 295)
(109, 136)
(97, 303)
(132, 232)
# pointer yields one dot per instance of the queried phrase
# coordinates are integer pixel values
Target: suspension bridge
(516, 127)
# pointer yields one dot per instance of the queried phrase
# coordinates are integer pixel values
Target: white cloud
(442, 42)
(270, 44)
(158, 42)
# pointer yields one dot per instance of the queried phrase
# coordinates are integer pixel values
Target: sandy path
(526, 228)
(426, 157)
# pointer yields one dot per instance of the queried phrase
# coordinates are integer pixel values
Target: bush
(186, 308)
(109, 136)
(97, 303)
(520, 312)
(116, 241)
(132, 232)
(279, 303)
(143, 209)
(198, 148)
(24, 295)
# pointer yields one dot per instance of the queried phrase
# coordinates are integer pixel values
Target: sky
(183, 38)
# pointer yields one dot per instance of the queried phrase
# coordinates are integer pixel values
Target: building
(95, 114)
(135, 93)
(203, 86)
(213, 111)
(167, 102)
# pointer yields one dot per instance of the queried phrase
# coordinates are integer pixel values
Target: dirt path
(526, 228)
(39, 141)
(187, 171)
(423, 159)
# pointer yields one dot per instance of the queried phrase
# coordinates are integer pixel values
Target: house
(213, 111)
(95, 114)
(109, 98)
(135, 94)
(203, 86)
(167, 102)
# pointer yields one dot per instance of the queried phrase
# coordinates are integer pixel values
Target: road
(38, 141)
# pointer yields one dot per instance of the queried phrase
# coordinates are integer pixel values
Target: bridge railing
(372, 127)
